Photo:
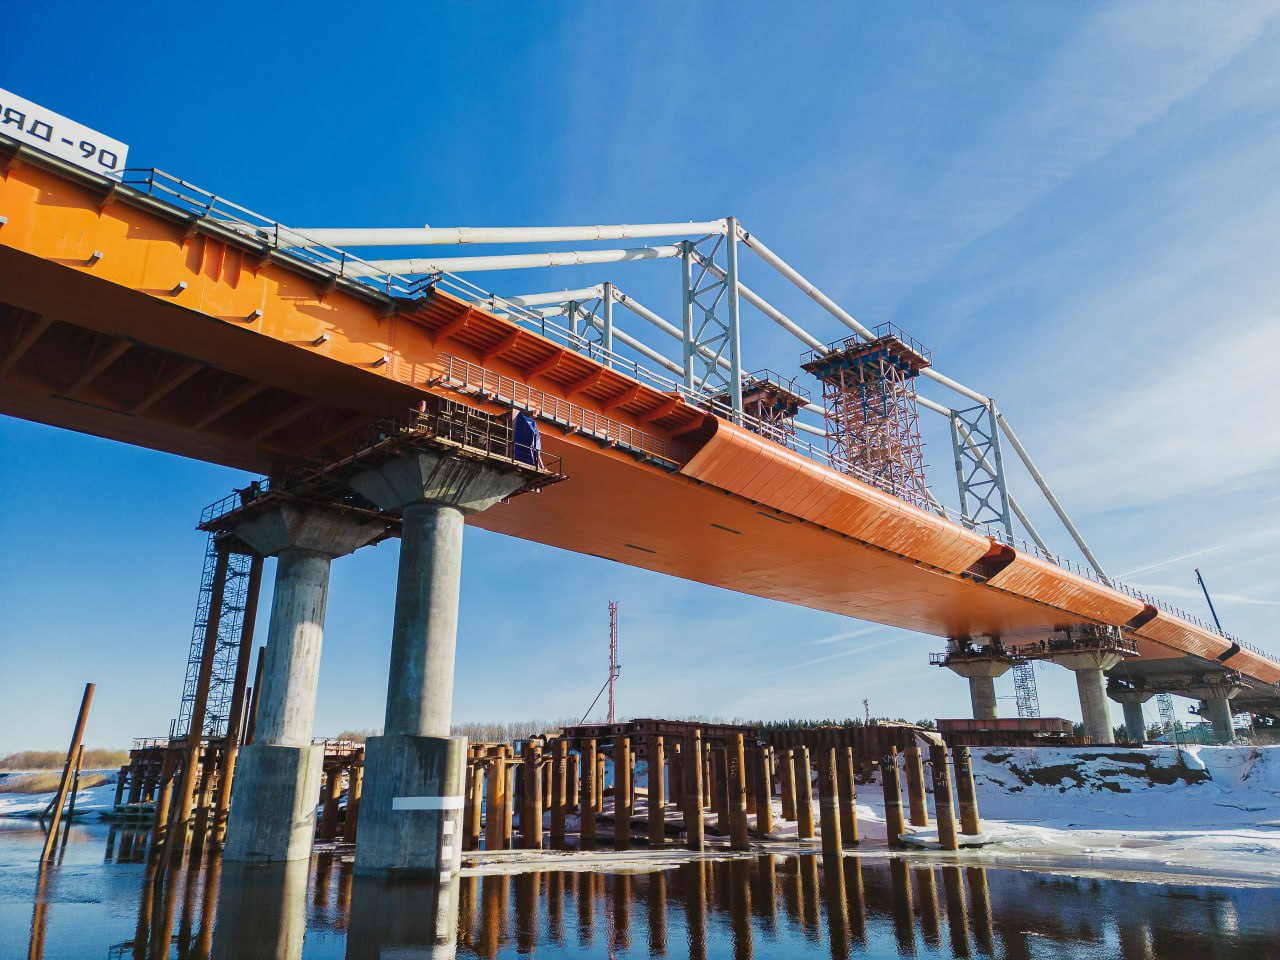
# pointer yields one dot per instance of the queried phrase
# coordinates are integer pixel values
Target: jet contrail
(1185, 556)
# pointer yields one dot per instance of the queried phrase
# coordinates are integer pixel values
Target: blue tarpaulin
(528, 445)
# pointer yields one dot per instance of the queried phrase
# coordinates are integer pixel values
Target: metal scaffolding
(235, 590)
(1024, 688)
(869, 395)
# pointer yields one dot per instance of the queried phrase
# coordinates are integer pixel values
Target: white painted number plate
(53, 133)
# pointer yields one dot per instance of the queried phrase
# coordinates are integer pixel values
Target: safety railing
(472, 378)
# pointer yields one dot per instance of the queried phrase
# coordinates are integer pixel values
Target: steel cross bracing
(709, 332)
(975, 442)
(235, 588)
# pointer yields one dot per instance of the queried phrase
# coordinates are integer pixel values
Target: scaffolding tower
(1024, 688)
(873, 424)
(235, 590)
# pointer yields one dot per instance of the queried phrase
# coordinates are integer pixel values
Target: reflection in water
(744, 907)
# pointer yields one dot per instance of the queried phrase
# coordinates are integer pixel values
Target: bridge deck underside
(185, 342)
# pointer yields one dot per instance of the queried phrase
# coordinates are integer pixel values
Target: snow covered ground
(89, 802)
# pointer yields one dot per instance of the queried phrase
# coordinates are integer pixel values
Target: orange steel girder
(126, 319)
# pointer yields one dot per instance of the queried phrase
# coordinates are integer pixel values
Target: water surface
(106, 898)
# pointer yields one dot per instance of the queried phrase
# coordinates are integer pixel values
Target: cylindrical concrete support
(692, 769)
(982, 694)
(559, 791)
(764, 792)
(329, 799)
(355, 790)
(273, 796)
(1218, 710)
(1092, 686)
(915, 786)
(895, 824)
(787, 783)
(943, 804)
(829, 800)
(720, 777)
(587, 797)
(475, 804)
(966, 793)
(425, 629)
(1135, 726)
(495, 837)
(287, 701)
(804, 792)
(848, 796)
(531, 812)
(737, 794)
(657, 804)
(622, 808)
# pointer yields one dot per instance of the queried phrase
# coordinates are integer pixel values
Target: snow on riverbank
(91, 800)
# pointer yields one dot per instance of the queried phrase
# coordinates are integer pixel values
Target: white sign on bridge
(53, 133)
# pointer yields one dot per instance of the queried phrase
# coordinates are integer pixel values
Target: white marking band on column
(426, 803)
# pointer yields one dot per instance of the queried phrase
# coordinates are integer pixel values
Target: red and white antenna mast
(614, 669)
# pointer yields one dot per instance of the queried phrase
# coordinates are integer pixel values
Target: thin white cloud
(846, 635)
(862, 648)
(1163, 563)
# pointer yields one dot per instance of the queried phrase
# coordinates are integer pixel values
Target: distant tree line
(96, 759)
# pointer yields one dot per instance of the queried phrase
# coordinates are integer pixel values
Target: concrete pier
(981, 674)
(737, 794)
(804, 793)
(943, 802)
(894, 823)
(587, 797)
(916, 803)
(1131, 700)
(1218, 711)
(277, 780)
(407, 819)
(692, 771)
(657, 793)
(1090, 667)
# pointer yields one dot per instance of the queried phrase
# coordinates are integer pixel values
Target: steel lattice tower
(1024, 688)
(614, 668)
(873, 424)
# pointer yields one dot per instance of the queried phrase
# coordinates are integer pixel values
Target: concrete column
(657, 792)
(1089, 668)
(828, 800)
(622, 808)
(804, 793)
(916, 803)
(895, 823)
(587, 797)
(981, 675)
(1134, 724)
(355, 787)
(764, 792)
(278, 776)
(943, 804)
(736, 782)
(691, 763)
(848, 796)
(1218, 710)
(416, 771)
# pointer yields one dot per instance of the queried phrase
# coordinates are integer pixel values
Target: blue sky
(1073, 205)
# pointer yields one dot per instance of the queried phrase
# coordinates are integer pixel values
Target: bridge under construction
(393, 398)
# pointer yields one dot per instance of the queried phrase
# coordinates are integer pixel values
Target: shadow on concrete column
(415, 772)
(1131, 699)
(278, 775)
